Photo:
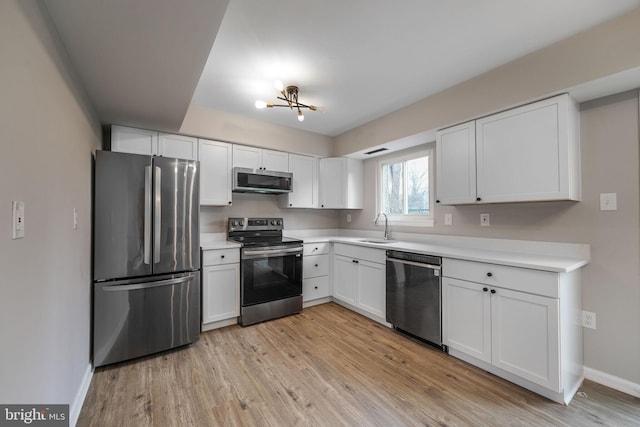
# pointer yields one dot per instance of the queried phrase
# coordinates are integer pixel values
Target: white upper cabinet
(530, 153)
(215, 172)
(305, 183)
(132, 140)
(456, 164)
(275, 160)
(150, 142)
(258, 158)
(178, 146)
(340, 183)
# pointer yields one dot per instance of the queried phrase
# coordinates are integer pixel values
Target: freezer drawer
(134, 318)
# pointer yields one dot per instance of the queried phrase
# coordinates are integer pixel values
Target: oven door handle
(271, 252)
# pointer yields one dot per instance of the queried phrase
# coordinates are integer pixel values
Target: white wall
(47, 137)
(611, 282)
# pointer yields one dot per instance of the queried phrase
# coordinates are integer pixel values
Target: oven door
(270, 274)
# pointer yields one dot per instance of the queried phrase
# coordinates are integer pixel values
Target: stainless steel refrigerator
(146, 295)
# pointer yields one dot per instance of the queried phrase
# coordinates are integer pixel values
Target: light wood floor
(327, 367)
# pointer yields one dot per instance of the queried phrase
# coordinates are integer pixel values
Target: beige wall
(227, 127)
(47, 142)
(213, 218)
(604, 50)
(611, 283)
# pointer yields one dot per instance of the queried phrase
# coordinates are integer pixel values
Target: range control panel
(255, 224)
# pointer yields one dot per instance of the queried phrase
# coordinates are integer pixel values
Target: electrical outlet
(608, 201)
(485, 220)
(448, 219)
(18, 220)
(588, 319)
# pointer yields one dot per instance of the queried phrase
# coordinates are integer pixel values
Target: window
(404, 188)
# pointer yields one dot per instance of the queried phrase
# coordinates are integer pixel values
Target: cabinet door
(372, 287)
(132, 140)
(456, 164)
(215, 173)
(178, 146)
(466, 317)
(344, 279)
(525, 336)
(523, 153)
(247, 157)
(315, 287)
(220, 292)
(305, 182)
(315, 265)
(275, 160)
(332, 183)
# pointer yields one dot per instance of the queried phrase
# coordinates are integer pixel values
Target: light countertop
(546, 256)
(536, 261)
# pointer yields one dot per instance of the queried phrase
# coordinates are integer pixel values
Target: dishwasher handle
(416, 264)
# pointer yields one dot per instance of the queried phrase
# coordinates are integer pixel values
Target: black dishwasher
(414, 301)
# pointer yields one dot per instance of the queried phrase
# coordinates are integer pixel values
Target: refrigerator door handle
(157, 214)
(147, 215)
(136, 286)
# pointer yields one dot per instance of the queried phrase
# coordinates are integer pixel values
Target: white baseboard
(76, 406)
(613, 382)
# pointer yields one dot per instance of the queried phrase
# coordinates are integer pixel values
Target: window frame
(408, 220)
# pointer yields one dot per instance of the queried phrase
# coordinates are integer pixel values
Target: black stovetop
(261, 241)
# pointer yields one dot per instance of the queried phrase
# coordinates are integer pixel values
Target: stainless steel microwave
(261, 181)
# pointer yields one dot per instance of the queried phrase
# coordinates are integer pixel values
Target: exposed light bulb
(300, 116)
(261, 104)
(278, 85)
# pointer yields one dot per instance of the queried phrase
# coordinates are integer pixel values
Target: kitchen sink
(378, 241)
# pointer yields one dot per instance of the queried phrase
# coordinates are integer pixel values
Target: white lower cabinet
(517, 323)
(359, 276)
(315, 274)
(220, 288)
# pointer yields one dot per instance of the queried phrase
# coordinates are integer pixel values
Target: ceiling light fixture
(290, 96)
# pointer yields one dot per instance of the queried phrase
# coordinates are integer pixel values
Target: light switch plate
(448, 219)
(608, 201)
(18, 220)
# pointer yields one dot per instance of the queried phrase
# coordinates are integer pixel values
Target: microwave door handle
(157, 214)
(147, 215)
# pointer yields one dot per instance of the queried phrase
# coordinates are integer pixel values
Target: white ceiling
(358, 59)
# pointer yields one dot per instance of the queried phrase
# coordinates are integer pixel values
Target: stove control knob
(241, 223)
(278, 222)
(273, 222)
(234, 223)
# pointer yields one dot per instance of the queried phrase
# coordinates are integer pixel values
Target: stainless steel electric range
(270, 269)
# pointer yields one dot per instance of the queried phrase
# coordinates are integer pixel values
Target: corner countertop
(536, 255)
(535, 261)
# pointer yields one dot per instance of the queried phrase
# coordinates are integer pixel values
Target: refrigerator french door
(146, 255)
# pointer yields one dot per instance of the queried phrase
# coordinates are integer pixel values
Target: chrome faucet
(387, 233)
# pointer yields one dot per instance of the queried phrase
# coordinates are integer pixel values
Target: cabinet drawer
(316, 248)
(315, 265)
(519, 279)
(220, 256)
(360, 252)
(314, 288)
